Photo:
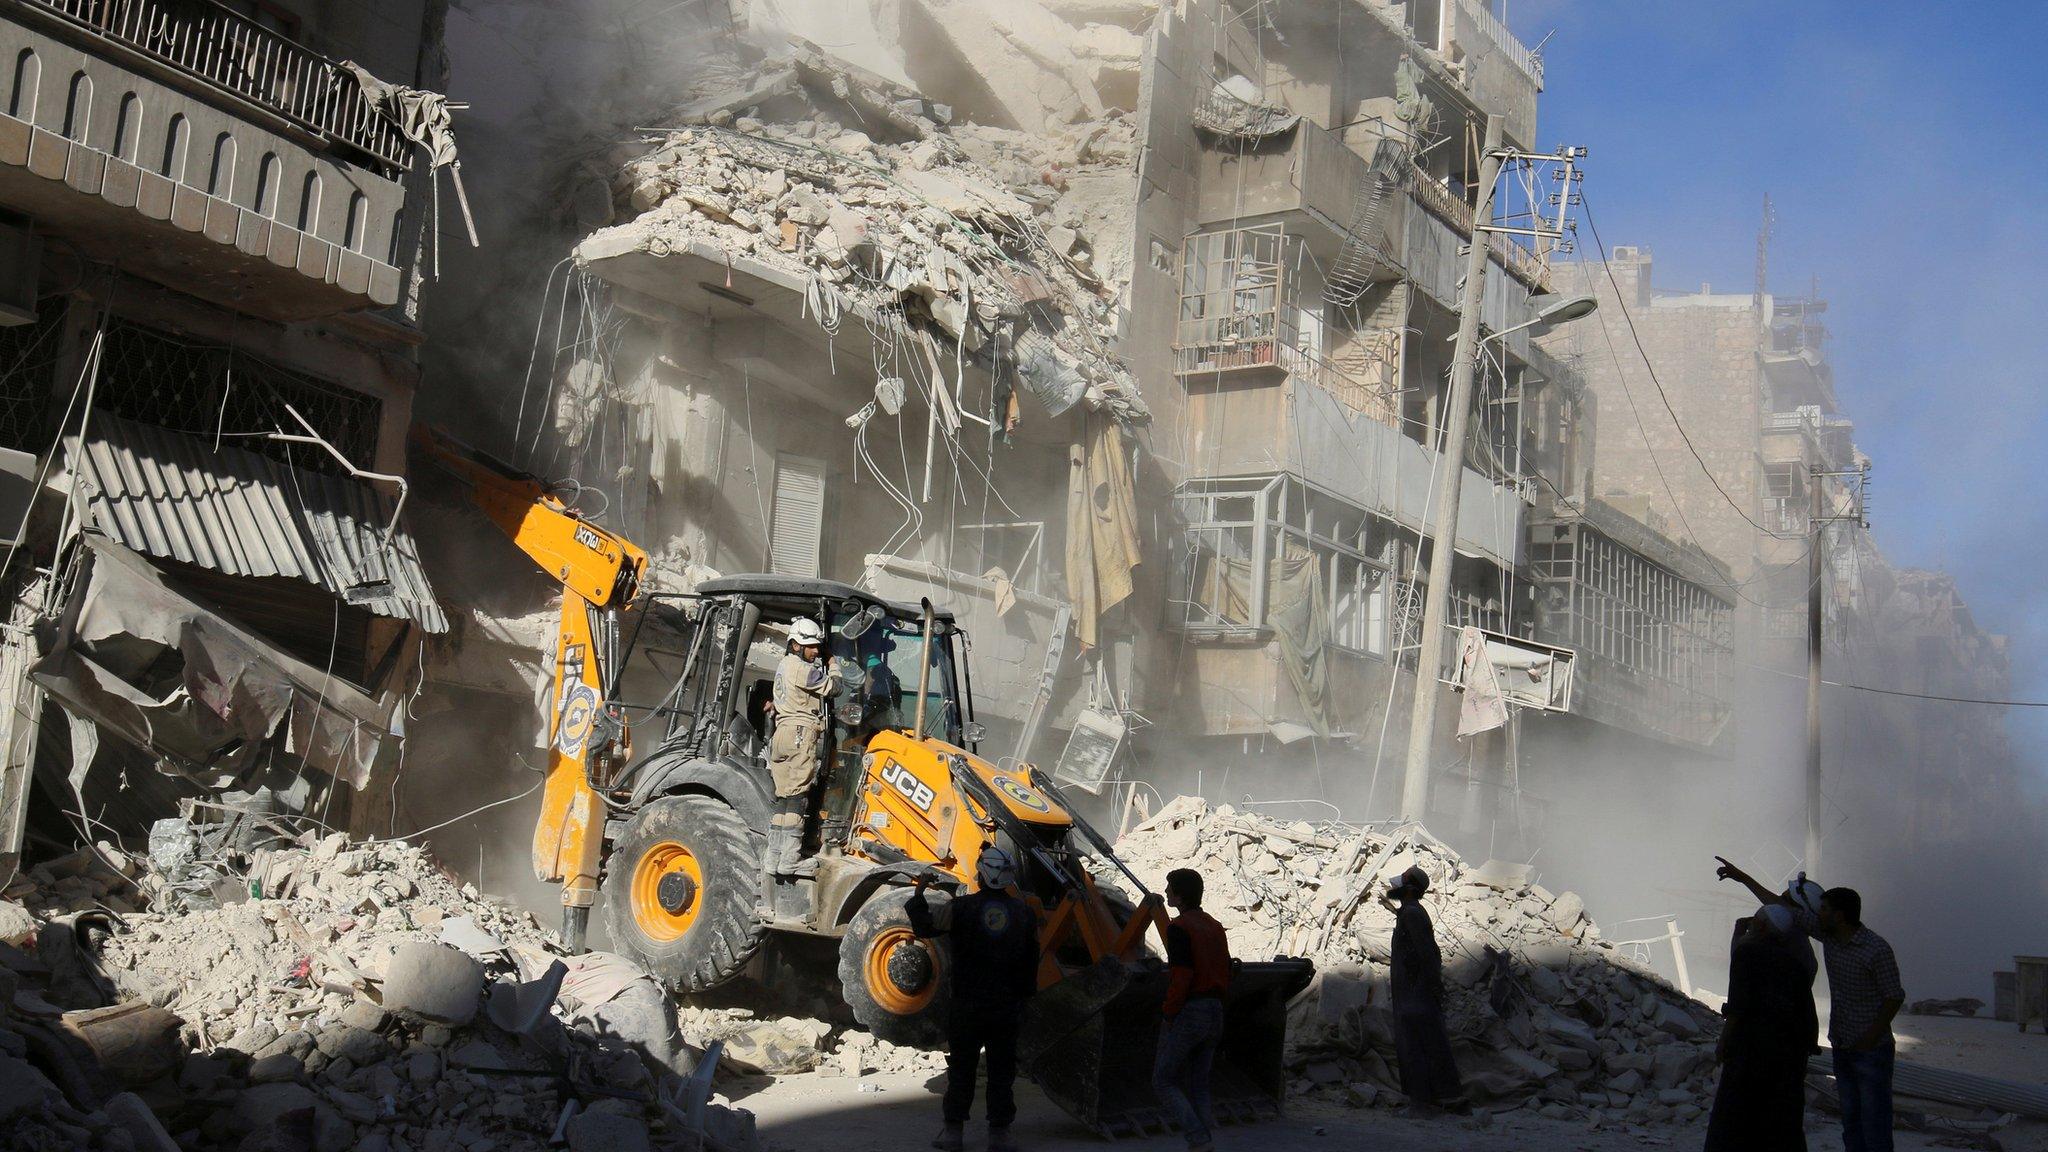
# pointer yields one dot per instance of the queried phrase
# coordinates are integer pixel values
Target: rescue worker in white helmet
(994, 963)
(804, 685)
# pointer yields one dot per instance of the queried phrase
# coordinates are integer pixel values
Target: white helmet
(1804, 895)
(995, 869)
(804, 630)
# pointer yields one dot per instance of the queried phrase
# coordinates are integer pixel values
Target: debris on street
(1543, 1012)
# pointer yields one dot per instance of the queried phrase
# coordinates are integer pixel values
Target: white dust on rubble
(357, 995)
(1542, 1011)
(979, 229)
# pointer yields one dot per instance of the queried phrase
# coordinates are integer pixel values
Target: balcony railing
(229, 51)
(1451, 208)
(1523, 56)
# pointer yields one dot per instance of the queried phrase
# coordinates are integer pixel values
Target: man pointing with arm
(1864, 995)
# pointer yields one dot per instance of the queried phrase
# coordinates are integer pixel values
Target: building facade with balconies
(1313, 168)
(213, 219)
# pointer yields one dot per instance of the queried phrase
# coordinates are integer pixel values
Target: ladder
(1352, 272)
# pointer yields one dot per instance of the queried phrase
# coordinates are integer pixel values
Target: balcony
(193, 147)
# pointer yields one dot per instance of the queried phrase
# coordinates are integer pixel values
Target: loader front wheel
(681, 889)
(895, 983)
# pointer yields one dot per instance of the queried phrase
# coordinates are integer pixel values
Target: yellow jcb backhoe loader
(672, 839)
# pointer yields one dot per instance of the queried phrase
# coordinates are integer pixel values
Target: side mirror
(855, 625)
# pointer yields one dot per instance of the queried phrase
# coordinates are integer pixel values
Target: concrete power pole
(1815, 565)
(1450, 474)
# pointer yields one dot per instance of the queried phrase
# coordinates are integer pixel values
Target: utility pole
(1815, 565)
(1450, 474)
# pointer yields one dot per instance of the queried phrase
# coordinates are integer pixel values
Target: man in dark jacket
(994, 965)
(1760, 1105)
(1422, 1041)
(1198, 975)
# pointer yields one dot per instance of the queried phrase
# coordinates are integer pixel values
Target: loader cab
(709, 657)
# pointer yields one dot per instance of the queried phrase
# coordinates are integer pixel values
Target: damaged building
(214, 220)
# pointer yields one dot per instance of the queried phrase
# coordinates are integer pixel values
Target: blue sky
(1903, 145)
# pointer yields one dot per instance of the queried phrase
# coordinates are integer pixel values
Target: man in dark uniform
(1422, 1042)
(994, 967)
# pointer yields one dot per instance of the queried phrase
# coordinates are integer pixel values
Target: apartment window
(176, 143)
(309, 204)
(28, 83)
(267, 175)
(78, 109)
(796, 530)
(127, 126)
(221, 180)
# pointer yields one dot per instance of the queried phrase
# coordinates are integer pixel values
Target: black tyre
(896, 984)
(682, 889)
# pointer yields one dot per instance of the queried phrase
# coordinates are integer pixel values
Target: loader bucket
(1090, 1040)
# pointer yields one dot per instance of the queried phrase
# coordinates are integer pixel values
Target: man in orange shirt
(1198, 974)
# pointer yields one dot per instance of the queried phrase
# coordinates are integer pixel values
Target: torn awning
(165, 672)
(176, 497)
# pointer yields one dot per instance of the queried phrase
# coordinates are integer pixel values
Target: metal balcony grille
(210, 392)
(227, 50)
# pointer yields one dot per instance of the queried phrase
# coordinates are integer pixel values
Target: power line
(1936, 697)
(1586, 209)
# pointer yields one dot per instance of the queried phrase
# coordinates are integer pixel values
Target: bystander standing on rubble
(1198, 967)
(1760, 1104)
(1864, 994)
(994, 939)
(1422, 1044)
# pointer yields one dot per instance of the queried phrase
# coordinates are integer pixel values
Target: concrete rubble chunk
(434, 982)
(594, 1131)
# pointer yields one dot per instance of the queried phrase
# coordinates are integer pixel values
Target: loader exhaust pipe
(924, 668)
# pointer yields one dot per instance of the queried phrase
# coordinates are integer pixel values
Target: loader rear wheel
(896, 984)
(681, 889)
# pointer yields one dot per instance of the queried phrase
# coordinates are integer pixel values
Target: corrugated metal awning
(176, 498)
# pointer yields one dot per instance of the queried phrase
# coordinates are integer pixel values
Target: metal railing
(1523, 56)
(1451, 208)
(227, 50)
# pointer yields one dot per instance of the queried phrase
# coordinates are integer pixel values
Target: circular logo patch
(995, 919)
(579, 714)
(1022, 795)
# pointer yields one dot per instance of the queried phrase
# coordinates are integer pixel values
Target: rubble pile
(323, 994)
(1542, 1011)
(978, 241)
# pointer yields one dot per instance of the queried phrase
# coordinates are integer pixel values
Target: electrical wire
(538, 785)
(1586, 209)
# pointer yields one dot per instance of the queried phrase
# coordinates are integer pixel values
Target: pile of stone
(1543, 1012)
(977, 242)
(327, 995)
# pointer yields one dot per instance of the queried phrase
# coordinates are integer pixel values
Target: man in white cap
(804, 684)
(1760, 1103)
(1422, 1041)
(994, 962)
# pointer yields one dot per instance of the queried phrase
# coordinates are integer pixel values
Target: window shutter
(797, 525)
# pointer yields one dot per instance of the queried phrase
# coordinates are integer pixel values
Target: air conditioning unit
(20, 263)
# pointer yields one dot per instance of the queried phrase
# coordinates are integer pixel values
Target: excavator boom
(600, 572)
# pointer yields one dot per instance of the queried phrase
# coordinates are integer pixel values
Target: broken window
(28, 365)
(1244, 536)
(221, 394)
(1787, 510)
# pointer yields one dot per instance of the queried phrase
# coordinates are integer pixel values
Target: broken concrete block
(23, 1089)
(1675, 1021)
(1565, 912)
(262, 1105)
(16, 925)
(1671, 1063)
(595, 1131)
(1629, 1082)
(777, 1047)
(433, 982)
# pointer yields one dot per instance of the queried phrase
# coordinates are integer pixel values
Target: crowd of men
(1771, 1027)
